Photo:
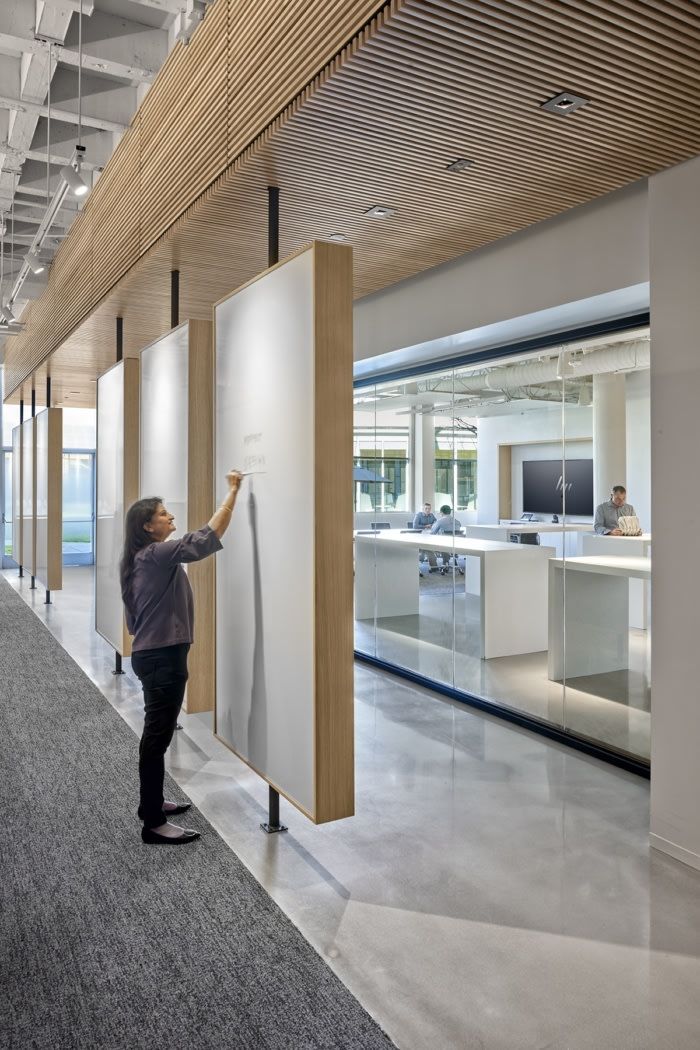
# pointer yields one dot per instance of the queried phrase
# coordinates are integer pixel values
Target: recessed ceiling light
(337, 237)
(380, 211)
(460, 164)
(564, 103)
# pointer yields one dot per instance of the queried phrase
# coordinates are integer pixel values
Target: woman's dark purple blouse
(160, 609)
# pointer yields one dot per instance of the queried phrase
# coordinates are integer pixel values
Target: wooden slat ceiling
(426, 82)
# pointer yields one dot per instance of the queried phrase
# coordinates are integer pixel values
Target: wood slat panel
(425, 82)
(238, 72)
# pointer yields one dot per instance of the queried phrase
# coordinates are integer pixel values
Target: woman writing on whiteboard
(159, 614)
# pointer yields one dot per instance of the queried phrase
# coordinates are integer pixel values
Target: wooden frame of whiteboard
(129, 471)
(333, 700)
(49, 546)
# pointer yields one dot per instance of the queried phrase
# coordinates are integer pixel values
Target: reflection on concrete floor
(442, 643)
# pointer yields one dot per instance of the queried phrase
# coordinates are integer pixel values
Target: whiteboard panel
(265, 574)
(41, 425)
(28, 493)
(17, 473)
(109, 529)
(164, 423)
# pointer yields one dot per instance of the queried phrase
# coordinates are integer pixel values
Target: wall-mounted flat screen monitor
(544, 482)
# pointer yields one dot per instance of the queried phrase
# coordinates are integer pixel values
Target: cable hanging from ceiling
(70, 180)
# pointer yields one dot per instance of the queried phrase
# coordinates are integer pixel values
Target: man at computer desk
(608, 513)
(446, 522)
(424, 518)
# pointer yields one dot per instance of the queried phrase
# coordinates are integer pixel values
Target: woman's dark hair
(135, 538)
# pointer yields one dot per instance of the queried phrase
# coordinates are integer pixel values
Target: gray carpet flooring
(106, 942)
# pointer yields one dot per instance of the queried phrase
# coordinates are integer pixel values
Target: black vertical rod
(174, 298)
(273, 225)
(273, 813)
(120, 355)
(15, 465)
(32, 585)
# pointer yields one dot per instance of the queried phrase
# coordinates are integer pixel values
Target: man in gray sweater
(607, 514)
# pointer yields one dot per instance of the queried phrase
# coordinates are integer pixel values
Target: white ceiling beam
(173, 7)
(41, 155)
(16, 45)
(64, 115)
(73, 5)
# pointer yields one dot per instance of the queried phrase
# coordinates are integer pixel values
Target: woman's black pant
(163, 675)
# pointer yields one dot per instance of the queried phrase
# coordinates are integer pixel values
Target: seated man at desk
(424, 518)
(607, 514)
(446, 522)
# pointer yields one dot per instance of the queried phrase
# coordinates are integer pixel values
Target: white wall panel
(17, 476)
(164, 423)
(28, 497)
(117, 486)
(265, 574)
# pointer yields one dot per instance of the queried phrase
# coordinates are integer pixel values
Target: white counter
(589, 613)
(628, 547)
(513, 585)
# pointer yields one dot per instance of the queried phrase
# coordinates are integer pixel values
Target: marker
(247, 473)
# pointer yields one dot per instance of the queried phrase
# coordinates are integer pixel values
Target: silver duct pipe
(625, 357)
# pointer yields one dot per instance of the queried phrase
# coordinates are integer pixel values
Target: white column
(424, 466)
(674, 220)
(609, 435)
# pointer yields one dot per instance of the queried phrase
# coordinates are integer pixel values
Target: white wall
(527, 428)
(675, 426)
(588, 251)
(638, 477)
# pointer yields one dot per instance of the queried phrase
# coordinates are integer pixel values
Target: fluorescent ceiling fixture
(34, 263)
(380, 211)
(337, 237)
(76, 184)
(460, 164)
(564, 103)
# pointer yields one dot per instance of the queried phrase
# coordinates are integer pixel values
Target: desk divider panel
(284, 658)
(29, 496)
(49, 498)
(117, 488)
(17, 509)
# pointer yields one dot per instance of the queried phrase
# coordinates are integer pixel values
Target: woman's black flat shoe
(154, 839)
(182, 807)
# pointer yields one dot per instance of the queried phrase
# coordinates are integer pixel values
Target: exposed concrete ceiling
(124, 44)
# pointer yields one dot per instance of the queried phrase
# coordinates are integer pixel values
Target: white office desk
(627, 547)
(596, 614)
(513, 612)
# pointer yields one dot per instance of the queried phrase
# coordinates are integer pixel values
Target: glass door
(78, 507)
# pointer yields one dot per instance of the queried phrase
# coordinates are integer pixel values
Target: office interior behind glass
(492, 556)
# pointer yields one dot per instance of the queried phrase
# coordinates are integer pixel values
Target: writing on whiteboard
(254, 458)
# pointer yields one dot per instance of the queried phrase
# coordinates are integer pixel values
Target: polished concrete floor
(494, 891)
(442, 643)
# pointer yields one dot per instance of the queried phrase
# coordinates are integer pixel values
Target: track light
(34, 262)
(73, 179)
(7, 315)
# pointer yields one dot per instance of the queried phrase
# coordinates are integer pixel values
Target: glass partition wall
(478, 563)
